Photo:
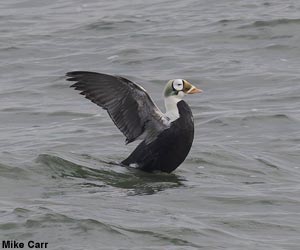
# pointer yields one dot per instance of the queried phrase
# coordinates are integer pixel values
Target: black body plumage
(170, 148)
(165, 144)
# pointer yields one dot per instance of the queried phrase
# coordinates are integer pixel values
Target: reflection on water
(103, 173)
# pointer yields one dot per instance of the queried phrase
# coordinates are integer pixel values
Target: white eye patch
(178, 84)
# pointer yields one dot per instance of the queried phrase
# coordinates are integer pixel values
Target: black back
(170, 148)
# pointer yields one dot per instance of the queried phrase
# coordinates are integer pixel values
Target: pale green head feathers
(179, 87)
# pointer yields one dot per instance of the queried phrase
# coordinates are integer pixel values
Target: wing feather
(128, 104)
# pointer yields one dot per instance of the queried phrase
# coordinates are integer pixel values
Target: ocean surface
(238, 189)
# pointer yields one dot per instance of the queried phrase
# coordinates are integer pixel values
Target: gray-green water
(240, 186)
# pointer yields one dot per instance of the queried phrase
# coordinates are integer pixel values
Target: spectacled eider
(167, 138)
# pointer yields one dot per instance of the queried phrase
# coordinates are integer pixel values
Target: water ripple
(102, 174)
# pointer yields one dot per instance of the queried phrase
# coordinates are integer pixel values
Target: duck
(166, 138)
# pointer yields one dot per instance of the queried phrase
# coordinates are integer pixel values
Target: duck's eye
(178, 84)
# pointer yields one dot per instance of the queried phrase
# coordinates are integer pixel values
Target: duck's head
(174, 92)
(178, 88)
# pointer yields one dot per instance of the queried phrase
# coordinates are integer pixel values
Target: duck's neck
(171, 107)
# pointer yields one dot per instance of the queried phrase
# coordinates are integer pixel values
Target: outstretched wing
(128, 104)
